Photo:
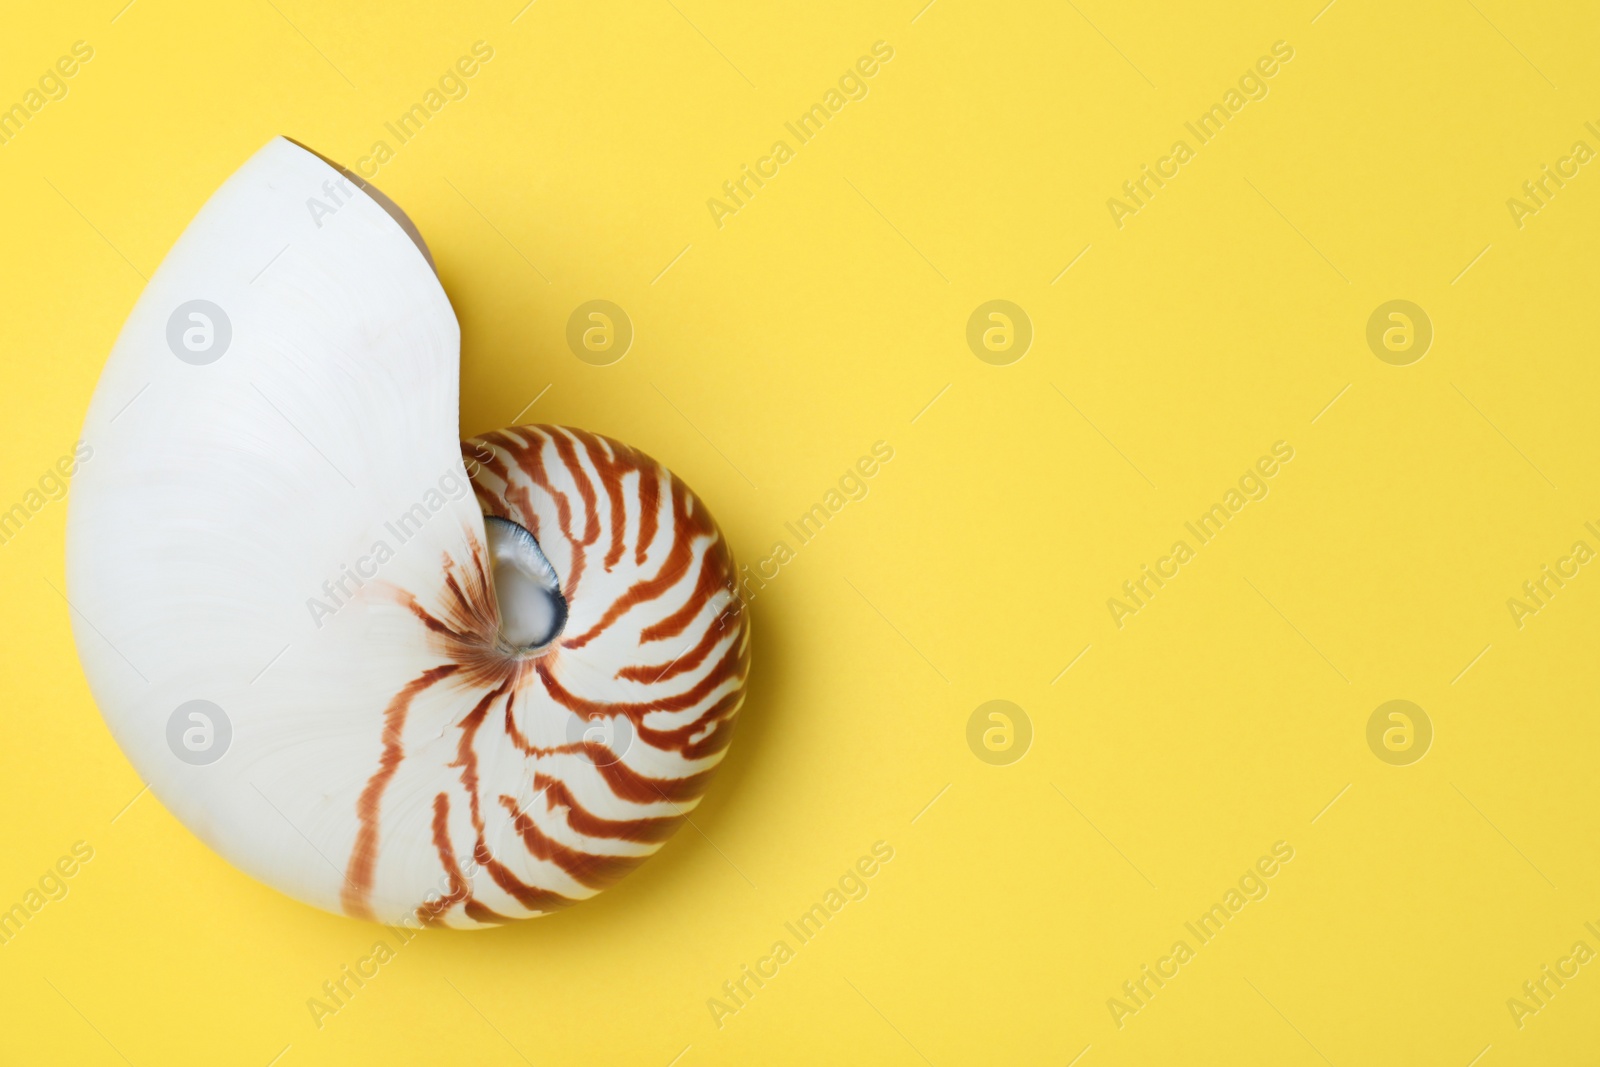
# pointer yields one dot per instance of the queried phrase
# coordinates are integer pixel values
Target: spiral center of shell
(533, 610)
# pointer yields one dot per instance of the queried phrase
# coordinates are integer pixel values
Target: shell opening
(532, 609)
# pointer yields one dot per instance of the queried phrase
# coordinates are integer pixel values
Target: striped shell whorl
(542, 779)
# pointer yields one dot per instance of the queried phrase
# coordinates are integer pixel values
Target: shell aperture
(461, 683)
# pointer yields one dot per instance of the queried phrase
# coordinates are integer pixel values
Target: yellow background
(823, 317)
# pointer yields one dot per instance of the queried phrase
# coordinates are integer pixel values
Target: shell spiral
(558, 773)
(393, 674)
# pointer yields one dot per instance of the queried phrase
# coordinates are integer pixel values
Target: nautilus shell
(392, 674)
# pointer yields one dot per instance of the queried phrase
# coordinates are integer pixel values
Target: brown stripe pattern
(552, 776)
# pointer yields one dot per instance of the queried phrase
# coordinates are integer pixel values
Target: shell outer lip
(378, 197)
